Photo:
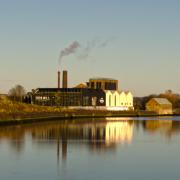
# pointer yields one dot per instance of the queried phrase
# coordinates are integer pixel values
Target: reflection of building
(166, 127)
(119, 132)
(159, 105)
(108, 132)
(100, 136)
(96, 135)
(98, 92)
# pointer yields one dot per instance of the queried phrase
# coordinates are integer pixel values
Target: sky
(136, 42)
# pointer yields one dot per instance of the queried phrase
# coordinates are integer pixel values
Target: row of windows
(115, 100)
(107, 85)
(110, 86)
(66, 100)
(126, 104)
(97, 85)
(55, 90)
(69, 100)
(60, 100)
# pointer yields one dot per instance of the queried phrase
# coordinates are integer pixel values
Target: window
(98, 85)
(86, 101)
(109, 100)
(92, 85)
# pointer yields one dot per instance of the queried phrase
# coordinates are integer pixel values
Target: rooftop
(162, 101)
(103, 78)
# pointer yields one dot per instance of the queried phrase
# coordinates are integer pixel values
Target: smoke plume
(69, 50)
(85, 51)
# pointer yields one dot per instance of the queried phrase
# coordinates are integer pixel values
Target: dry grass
(8, 106)
(16, 110)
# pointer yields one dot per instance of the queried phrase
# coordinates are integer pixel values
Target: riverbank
(16, 119)
(12, 113)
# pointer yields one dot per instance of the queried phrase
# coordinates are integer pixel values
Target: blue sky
(143, 49)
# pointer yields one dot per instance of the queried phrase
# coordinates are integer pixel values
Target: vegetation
(17, 93)
(7, 105)
(140, 102)
(10, 109)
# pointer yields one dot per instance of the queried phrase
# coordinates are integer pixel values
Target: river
(92, 149)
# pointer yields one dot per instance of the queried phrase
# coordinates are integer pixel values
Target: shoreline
(66, 116)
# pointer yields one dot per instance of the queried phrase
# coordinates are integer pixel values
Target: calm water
(112, 148)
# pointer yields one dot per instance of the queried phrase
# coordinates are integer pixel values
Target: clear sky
(142, 40)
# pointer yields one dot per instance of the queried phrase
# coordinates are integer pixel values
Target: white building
(119, 100)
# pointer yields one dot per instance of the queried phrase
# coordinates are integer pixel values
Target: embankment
(22, 117)
(18, 113)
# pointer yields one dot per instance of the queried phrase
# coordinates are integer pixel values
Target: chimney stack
(59, 77)
(65, 79)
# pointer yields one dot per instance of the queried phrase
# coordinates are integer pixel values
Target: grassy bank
(16, 112)
(10, 110)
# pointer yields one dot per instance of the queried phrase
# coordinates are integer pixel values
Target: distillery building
(99, 93)
(68, 97)
(103, 83)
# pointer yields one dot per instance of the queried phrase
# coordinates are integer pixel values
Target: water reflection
(166, 128)
(96, 135)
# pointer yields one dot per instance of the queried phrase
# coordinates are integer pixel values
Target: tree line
(17, 93)
(140, 102)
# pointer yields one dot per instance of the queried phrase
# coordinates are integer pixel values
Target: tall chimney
(59, 77)
(65, 79)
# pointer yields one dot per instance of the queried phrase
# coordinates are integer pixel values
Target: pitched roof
(81, 85)
(162, 101)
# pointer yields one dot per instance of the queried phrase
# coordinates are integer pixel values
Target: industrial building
(159, 105)
(99, 93)
(68, 97)
(103, 83)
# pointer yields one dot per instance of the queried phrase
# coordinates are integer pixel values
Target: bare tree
(17, 93)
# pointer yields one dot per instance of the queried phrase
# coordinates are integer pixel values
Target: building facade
(159, 105)
(103, 83)
(101, 93)
(119, 100)
(68, 97)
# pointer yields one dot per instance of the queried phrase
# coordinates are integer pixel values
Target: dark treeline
(17, 93)
(140, 102)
